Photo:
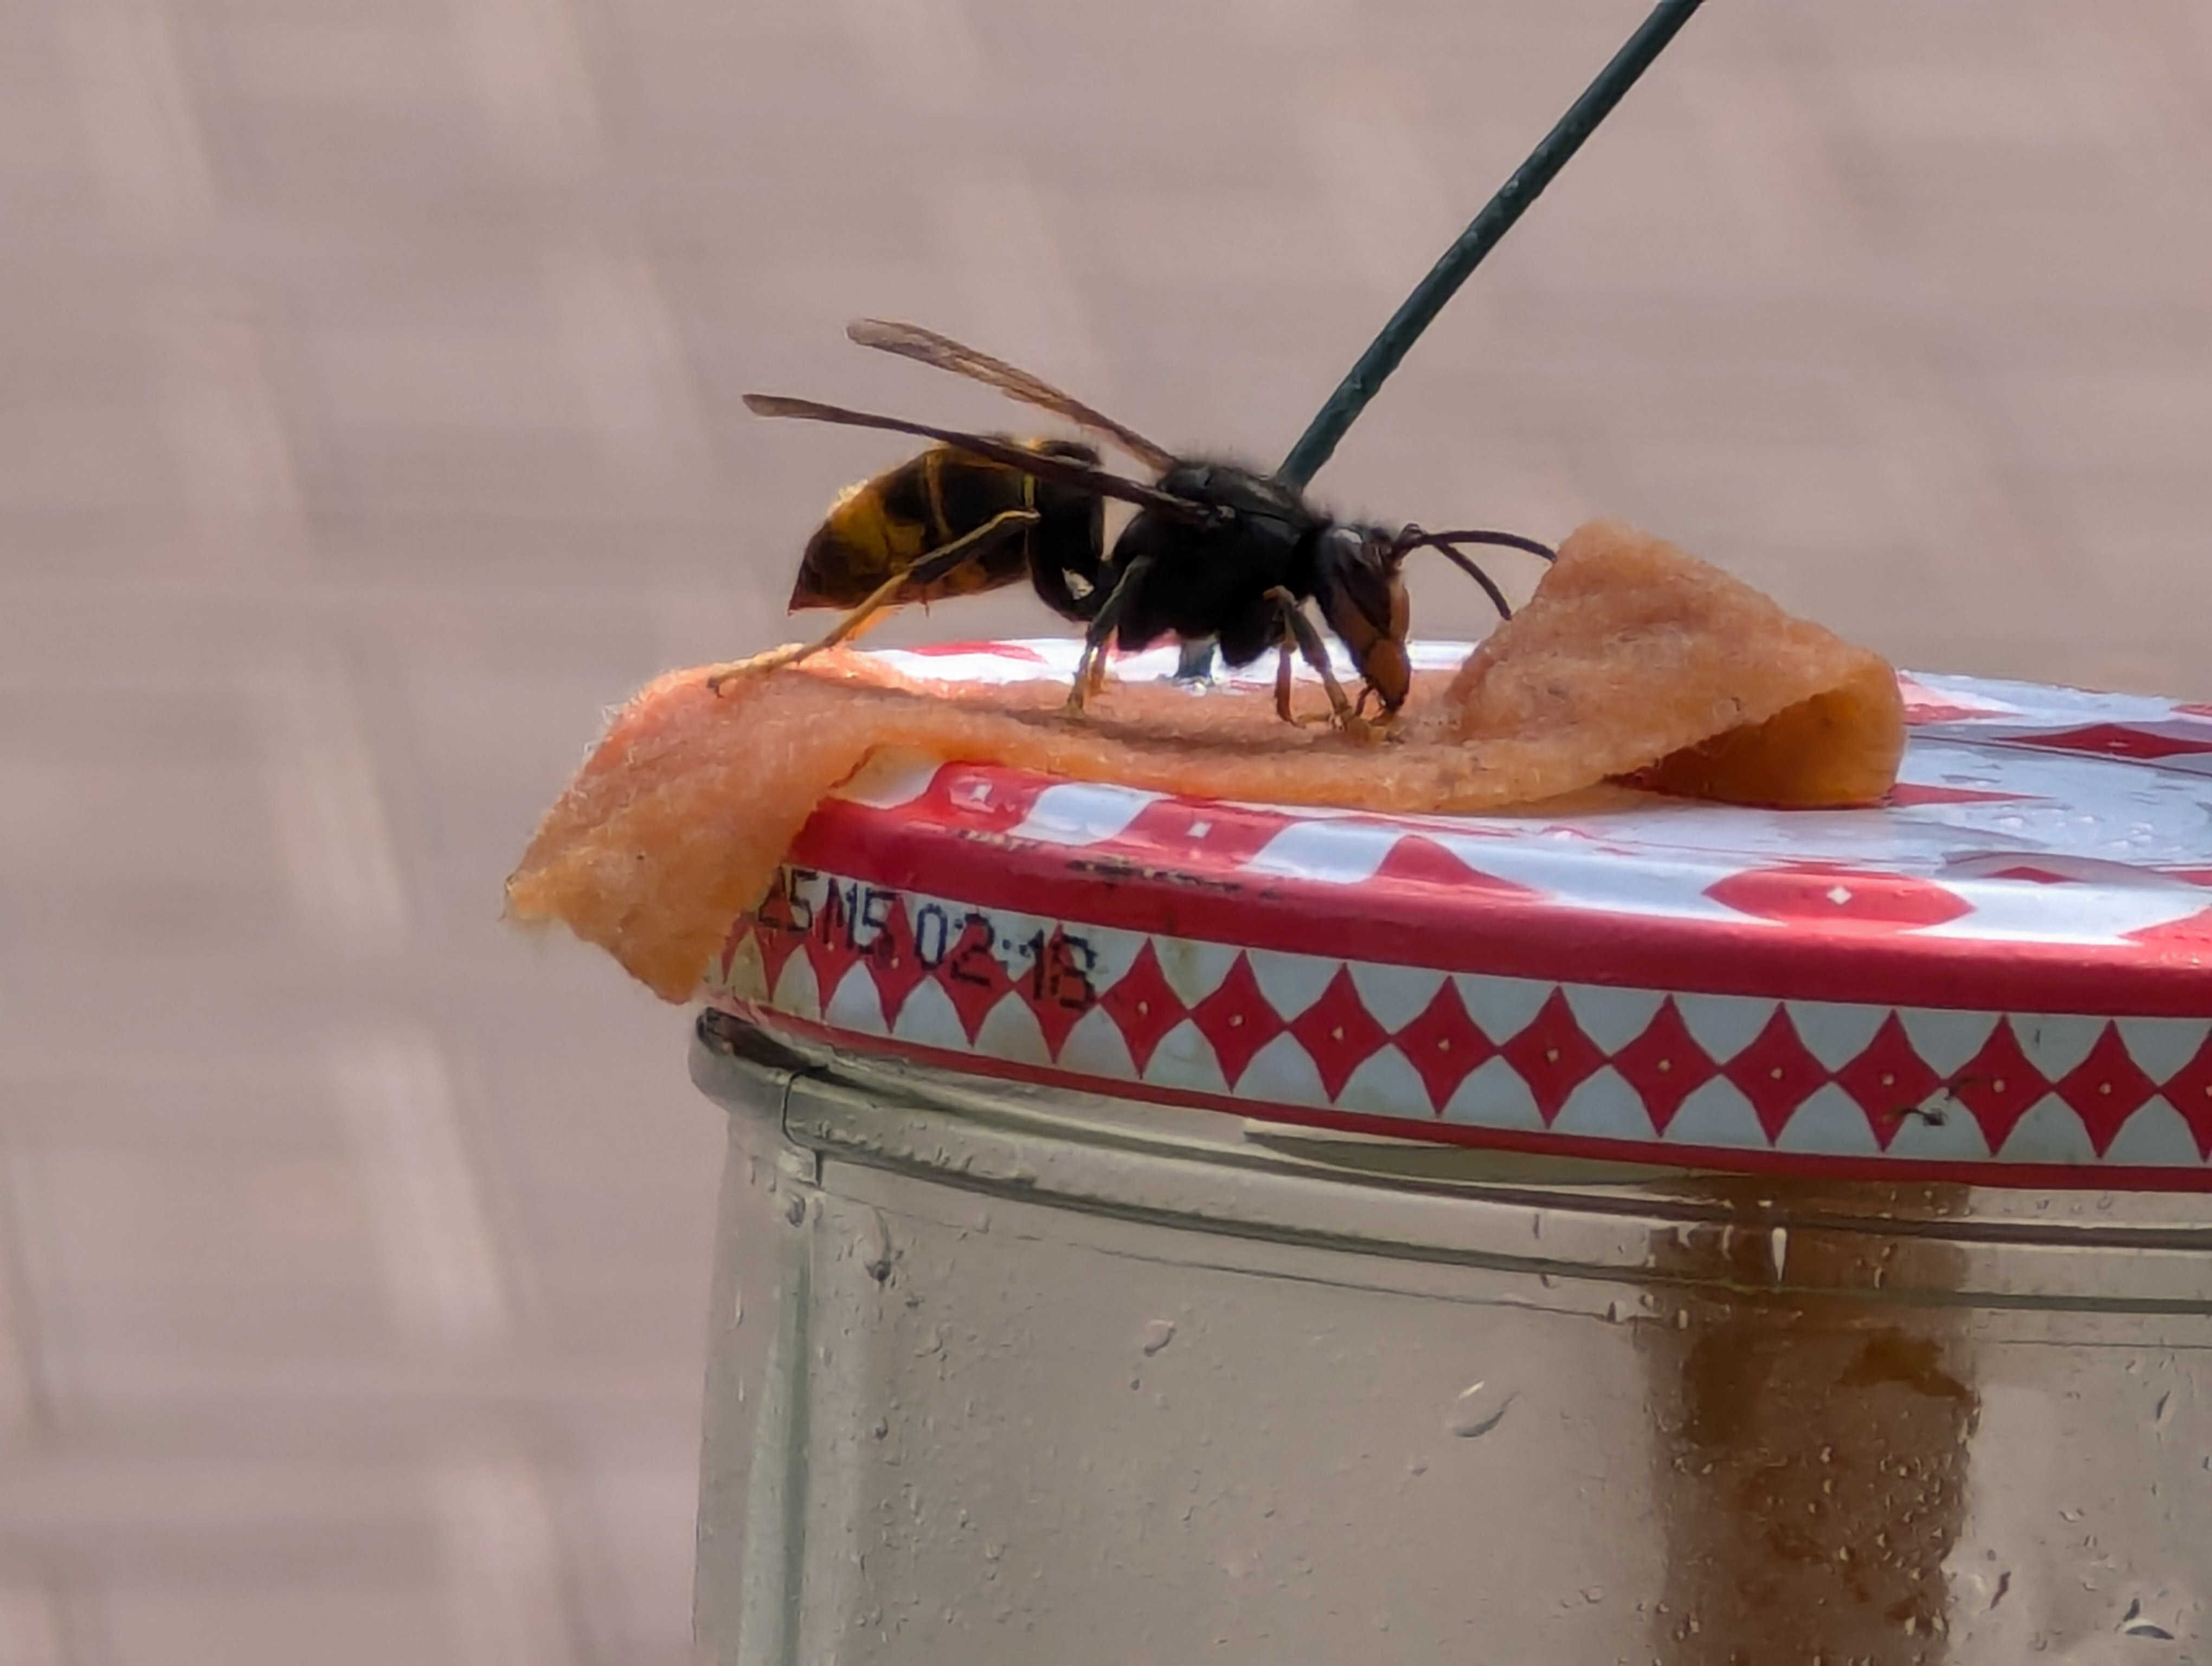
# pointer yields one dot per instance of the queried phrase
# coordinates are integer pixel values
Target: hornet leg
(1298, 628)
(937, 564)
(1090, 667)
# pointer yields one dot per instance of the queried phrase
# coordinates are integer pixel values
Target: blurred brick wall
(368, 422)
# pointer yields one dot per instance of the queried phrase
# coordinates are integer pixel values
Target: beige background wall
(368, 422)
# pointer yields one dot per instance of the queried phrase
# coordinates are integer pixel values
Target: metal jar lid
(2003, 975)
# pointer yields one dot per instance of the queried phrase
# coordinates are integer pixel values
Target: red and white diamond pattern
(1689, 1077)
(1872, 987)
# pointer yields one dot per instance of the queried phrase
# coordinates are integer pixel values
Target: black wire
(1319, 442)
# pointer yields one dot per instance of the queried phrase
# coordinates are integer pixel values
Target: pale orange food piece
(1632, 660)
(1636, 659)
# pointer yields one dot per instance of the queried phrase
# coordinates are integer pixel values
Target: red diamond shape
(1445, 1045)
(2116, 740)
(977, 799)
(776, 929)
(1776, 1072)
(1839, 897)
(1237, 1020)
(1889, 1079)
(897, 968)
(2189, 1090)
(1924, 705)
(1419, 861)
(1907, 793)
(971, 976)
(1060, 992)
(2189, 936)
(1553, 1056)
(1664, 1065)
(830, 943)
(2106, 1088)
(1998, 1085)
(1338, 1032)
(719, 967)
(1184, 831)
(1143, 1005)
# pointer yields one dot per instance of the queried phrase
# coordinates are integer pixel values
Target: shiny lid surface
(2003, 976)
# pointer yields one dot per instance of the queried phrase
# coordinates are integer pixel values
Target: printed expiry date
(954, 942)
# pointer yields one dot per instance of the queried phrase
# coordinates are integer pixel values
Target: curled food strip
(1633, 662)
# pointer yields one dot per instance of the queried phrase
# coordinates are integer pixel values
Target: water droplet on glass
(1477, 1411)
(1778, 1246)
(795, 1211)
(1681, 1318)
(736, 1310)
(2163, 1411)
(2132, 1624)
(1158, 1332)
(1613, 1313)
(2069, 1515)
(876, 1246)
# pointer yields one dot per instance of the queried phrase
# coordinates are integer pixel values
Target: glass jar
(1008, 1373)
